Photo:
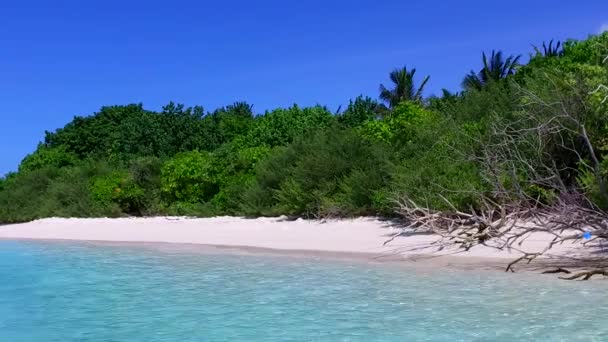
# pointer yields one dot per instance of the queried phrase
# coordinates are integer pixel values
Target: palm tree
(404, 87)
(550, 50)
(494, 69)
(445, 93)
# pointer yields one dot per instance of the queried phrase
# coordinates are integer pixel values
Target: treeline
(442, 152)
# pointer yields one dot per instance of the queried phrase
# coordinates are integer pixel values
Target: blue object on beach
(587, 235)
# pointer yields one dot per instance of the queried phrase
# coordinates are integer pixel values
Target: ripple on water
(81, 292)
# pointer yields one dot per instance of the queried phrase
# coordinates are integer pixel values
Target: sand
(362, 237)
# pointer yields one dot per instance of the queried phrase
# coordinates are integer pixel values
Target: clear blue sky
(64, 58)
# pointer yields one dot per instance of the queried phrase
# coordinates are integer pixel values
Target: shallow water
(84, 292)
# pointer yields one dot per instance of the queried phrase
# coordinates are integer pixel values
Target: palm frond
(495, 68)
(418, 95)
(550, 50)
(404, 88)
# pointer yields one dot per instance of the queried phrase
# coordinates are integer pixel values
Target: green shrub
(69, 194)
(315, 176)
(4, 181)
(144, 174)
(432, 159)
(427, 178)
(119, 189)
(57, 157)
(23, 196)
(400, 127)
(234, 166)
(361, 110)
(191, 209)
(281, 126)
(51, 191)
(189, 177)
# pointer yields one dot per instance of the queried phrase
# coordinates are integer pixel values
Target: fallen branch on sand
(557, 270)
(546, 176)
(508, 227)
(586, 275)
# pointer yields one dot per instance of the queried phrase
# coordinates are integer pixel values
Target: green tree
(280, 126)
(121, 133)
(4, 181)
(404, 87)
(401, 127)
(184, 129)
(494, 69)
(133, 190)
(232, 121)
(235, 169)
(550, 50)
(189, 177)
(329, 172)
(96, 135)
(52, 192)
(360, 110)
(48, 157)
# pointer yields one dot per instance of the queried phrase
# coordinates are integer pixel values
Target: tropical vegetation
(527, 132)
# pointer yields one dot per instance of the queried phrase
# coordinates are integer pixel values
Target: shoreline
(359, 239)
(421, 261)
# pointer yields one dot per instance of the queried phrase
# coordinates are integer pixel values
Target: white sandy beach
(362, 236)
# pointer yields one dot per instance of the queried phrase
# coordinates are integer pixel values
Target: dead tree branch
(532, 162)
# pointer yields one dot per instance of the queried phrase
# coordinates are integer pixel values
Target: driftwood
(508, 227)
(519, 153)
(586, 275)
(557, 270)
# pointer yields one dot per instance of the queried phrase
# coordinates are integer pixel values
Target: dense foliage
(514, 133)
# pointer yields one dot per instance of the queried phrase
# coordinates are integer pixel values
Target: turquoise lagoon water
(85, 292)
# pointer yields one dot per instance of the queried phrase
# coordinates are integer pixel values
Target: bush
(145, 173)
(496, 98)
(191, 209)
(361, 110)
(57, 157)
(69, 194)
(23, 196)
(4, 181)
(318, 175)
(234, 166)
(118, 190)
(51, 191)
(189, 177)
(429, 178)
(400, 127)
(281, 126)
(232, 121)
(430, 156)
